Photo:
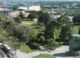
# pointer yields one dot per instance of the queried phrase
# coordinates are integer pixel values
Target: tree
(49, 30)
(52, 44)
(21, 15)
(23, 34)
(65, 34)
(17, 19)
(14, 7)
(6, 21)
(43, 18)
(76, 19)
(32, 16)
(65, 25)
(41, 38)
(79, 30)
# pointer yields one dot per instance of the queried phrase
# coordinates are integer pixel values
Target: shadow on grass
(67, 54)
(60, 54)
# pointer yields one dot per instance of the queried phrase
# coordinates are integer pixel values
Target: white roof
(35, 8)
(23, 8)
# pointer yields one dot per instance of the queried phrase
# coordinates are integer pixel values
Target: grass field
(29, 22)
(75, 29)
(44, 56)
(57, 33)
(25, 48)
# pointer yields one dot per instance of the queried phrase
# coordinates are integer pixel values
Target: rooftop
(30, 8)
(4, 9)
(23, 8)
(35, 8)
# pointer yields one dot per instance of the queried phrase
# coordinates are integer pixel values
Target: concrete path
(58, 53)
(20, 54)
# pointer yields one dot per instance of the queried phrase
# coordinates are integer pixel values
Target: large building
(30, 8)
(22, 8)
(4, 11)
(35, 8)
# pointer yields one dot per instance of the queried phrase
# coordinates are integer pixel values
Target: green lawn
(75, 29)
(44, 56)
(29, 22)
(57, 33)
(25, 48)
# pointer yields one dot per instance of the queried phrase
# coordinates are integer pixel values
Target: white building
(22, 8)
(4, 11)
(30, 8)
(35, 8)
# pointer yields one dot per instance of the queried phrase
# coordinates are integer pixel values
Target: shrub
(52, 44)
(34, 45)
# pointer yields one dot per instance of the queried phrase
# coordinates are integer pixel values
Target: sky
(59, 0)
(39, 0)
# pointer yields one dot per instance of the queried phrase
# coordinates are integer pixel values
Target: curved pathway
(58, 53)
